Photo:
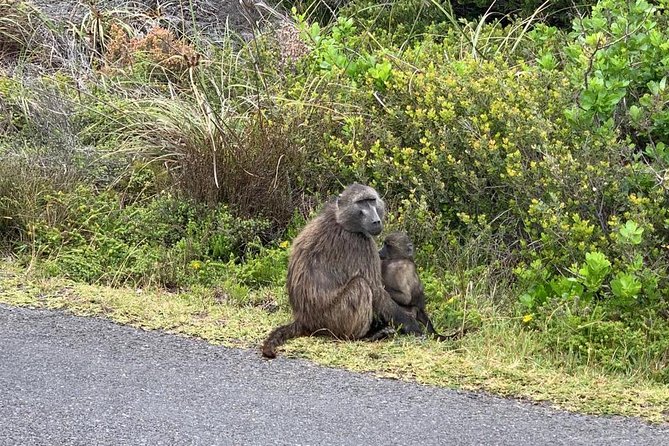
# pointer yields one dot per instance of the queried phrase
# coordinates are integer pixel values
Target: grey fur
(334, 273)
(401, 280)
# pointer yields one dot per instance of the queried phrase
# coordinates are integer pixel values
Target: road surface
(67, 380)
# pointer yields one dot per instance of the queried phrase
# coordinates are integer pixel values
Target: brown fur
(401, 280)
(334, 274)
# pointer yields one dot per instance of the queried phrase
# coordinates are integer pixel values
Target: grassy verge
(500, 358)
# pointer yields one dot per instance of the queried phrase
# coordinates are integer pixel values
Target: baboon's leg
(380, 329)
(379, 334)
(350, 314)
(391, 313)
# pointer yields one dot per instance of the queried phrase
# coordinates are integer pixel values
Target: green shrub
(334, 52)
(92, 236)
(587, 332)
(618, 59)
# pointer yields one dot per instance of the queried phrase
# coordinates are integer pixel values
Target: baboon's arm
(418, 294)
(399, 296)
(424, 319)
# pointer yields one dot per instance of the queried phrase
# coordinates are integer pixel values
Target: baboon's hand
(384, 333)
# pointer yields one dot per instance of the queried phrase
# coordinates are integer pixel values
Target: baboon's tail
(279, 336)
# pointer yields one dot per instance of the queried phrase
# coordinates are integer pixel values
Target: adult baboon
(401, 280)
(334, 274)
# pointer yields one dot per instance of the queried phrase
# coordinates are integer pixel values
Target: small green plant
(626, 286)
(88, 236)
(381, 74)
(266, 268)
(593, 272)
(339, 50)
(631, 233)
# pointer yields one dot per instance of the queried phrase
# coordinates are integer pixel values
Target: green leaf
(596, 261)
(631, 233)
(547, 61)
(635, 113)
(566, 287)
(626, 286)
(595, 270)
(588, 99)
(527, 300)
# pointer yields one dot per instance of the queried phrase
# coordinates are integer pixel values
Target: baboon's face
(397, 246)
(360, 209)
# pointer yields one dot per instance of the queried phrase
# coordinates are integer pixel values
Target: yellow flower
(527, 318)
(284, 244)
(196, 264)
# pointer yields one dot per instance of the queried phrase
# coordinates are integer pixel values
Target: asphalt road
(66, 380)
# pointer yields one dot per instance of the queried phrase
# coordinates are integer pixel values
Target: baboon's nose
(377, 227)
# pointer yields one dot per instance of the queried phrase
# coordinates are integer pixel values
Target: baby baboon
(401, 279)
(334, 274)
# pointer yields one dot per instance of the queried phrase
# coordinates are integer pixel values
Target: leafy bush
(96, 237)
(618, 58)
(333, 53)
(468, 147)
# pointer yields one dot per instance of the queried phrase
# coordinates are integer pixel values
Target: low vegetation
(501, 357)
(156, 175)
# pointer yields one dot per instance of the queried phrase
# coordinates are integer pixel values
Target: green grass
(501, 358)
